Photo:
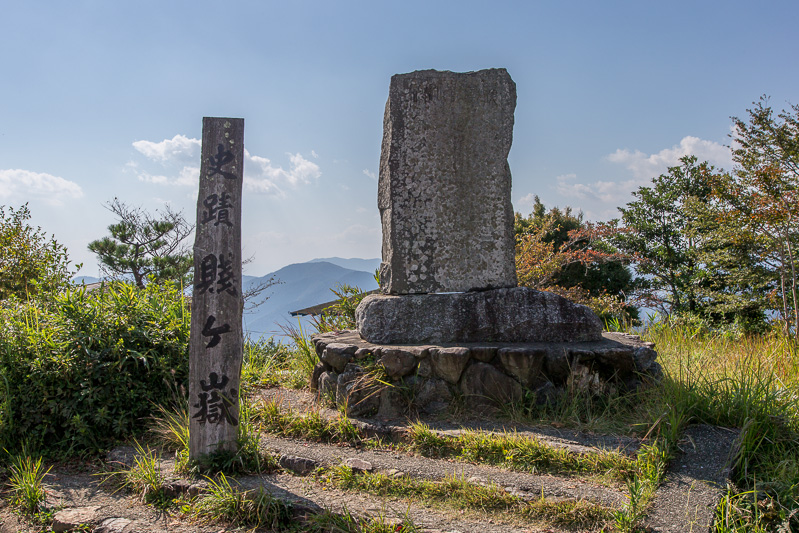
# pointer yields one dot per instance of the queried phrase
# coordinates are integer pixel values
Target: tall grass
(747, 382)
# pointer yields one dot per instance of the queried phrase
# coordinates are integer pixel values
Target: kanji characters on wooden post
(216, 343)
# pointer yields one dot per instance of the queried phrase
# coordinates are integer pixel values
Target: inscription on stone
(445, 184)
(216, 343)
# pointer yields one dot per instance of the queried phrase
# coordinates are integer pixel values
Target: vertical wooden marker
(216, 343)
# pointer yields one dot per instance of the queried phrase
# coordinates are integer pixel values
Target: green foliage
(31, 265)
(145, 246)
(88, 368)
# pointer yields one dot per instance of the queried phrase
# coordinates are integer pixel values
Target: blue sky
(104, 99)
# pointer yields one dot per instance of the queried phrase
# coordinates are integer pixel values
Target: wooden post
(216, 343)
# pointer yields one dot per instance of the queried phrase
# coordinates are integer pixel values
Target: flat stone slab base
(428, 377)
(517, 314)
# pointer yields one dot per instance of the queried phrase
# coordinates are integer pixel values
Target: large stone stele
(518, 314)
(444, 191)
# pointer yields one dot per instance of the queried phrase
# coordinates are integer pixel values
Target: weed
(26, 481)
(144, 477)
(244, 508)
(312, 426)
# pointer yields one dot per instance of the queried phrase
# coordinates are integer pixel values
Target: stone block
(398, 363)
(525, 364)
(483, 381)
(338, 354)
(519, 314)
(448, 363)
(445, 184)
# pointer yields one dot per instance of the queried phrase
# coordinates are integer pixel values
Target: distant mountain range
(298, 286)
(304, 285)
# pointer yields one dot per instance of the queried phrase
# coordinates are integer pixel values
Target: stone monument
(451, 319)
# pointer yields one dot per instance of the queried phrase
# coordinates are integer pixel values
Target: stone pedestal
(403, 379)
(519, 314)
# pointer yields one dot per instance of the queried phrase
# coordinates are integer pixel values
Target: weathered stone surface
(301, 466)
(115, 525)
(524, 364)
(483, 381)
(327, 384)
(338, 354)
(519, 314)
(359, 465)
(357, 392)
(643, 358)
(424, 369)
(444, 187)
(68, 519)
(483, 354)
(317, 371)
(433, 396)
(448, 363)
(398, 363)
(392, 404)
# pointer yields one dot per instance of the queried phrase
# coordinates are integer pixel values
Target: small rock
(67, 519)
(301, 466)
(482, 381)
(121, 456)
(318, 370)
(338, 354)
(643, 358)
(359, 465)
(393, 472)
(327, 384)
(398, 363)
(114, 525)
(524, 364)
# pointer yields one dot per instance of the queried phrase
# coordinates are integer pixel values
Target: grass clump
(144, 477)
(457, 493)
(26, 484)
(240, 508)
(311, 426)
(170, 428)
(518, 452)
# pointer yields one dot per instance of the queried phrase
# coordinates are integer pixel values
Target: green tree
(692, 261)
(31, 264)
(145, 246)
(659, 230)
(760, 198)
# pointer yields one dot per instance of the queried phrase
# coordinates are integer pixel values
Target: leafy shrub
(30, 263)
(86, 368)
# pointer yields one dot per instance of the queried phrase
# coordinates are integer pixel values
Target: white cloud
(260, 175)
(646, 167)
(178, 147)
(369, 174)
(18, 184)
